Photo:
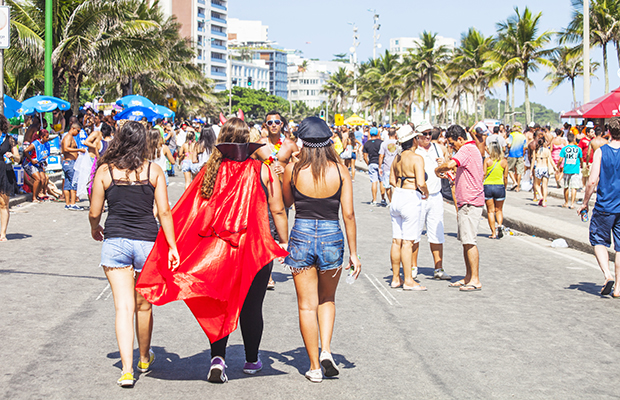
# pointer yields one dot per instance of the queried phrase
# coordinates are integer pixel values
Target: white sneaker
(315, 375)
(441, 275)
(328, 364)
(414, 272)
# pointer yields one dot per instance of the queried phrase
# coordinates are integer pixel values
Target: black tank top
(325, 209)
(130, 209)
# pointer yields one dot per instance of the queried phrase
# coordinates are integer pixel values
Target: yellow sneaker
(126, 380)
(144, 367)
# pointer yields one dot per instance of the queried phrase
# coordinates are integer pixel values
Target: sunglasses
(273, 121)
(427, 134)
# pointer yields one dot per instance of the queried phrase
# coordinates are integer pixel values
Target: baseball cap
(374, 131)
(590, 124)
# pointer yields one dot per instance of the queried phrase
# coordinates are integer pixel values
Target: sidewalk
(23, 198)
(551, 222)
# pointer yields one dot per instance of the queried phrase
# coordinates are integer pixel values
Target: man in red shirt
(586, 161)
(469, 194)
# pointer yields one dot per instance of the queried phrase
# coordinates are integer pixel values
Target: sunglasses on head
(273, 121)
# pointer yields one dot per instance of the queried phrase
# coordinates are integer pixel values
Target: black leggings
(251, 318)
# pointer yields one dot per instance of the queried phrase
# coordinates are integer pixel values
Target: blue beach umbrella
(12, 107)
(137, 113)
(43, 104)
(164, 111)
(134, 100)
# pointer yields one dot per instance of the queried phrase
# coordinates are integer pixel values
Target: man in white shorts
(432, 208)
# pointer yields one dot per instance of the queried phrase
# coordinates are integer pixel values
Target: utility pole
(375, 33)
(586, 51)
(49, 79)
(229, 82)
(353, 50)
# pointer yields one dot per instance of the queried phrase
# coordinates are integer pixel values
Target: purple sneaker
(252, 368)
(217, 372)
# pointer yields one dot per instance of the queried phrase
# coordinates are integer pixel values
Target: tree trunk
(59, 81)
(507, 104)
(430, 99)
(513, 106)
(528, 111)
(72, 94)
(604, 68)
(572, 82)
(458, 113)
(125, 87)
(475, 103)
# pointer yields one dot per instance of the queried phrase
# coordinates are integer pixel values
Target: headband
(317, 145)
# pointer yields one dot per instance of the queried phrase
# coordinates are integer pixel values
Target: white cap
(406, 133)
(424, 125)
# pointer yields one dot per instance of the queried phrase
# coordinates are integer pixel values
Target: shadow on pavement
(12, 271)
(169, 366)
(588, 287)
(279, 277)
(17, 236)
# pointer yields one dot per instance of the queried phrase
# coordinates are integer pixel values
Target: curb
(18, 199)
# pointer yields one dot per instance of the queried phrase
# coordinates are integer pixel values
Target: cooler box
(54, 163)
(19, 174)
(55, 145)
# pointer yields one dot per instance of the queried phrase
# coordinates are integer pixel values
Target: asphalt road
(538, 328)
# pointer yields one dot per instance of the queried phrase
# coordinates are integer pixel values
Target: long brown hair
(235, 130)
(128, 149)
(318, 159)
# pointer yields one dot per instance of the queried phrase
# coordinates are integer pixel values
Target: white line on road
(379, 290)
(108, 296)
(381, 285)
(103, 291)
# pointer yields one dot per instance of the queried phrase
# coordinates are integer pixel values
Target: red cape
(223, 242)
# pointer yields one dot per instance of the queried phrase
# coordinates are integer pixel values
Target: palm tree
(604, 27)
(567, 65)
(429, 61)
(338, 87)
(525, 50)
(377, 86)
(472, 55)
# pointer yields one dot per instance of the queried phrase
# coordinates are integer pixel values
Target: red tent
(606, 106)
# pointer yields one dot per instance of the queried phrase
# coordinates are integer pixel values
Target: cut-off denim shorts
(122, 252)
(315, 243)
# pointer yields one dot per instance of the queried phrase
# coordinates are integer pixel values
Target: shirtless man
(597, 141)
(186, 156)
(276, 154)
(70, 151)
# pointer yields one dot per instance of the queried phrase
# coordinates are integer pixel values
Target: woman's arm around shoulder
(276, 205)
(287, 190)
(164, 213)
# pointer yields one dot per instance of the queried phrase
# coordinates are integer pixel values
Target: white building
(258, 70)
(243, 32)
(306, 84)
(402, 45)
(204, 22)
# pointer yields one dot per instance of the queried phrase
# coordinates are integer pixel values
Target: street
(538, 329)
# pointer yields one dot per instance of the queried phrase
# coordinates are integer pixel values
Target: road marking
(558, 253)
(379, 290)
(386, 290)
(108, 296)
(103, 291)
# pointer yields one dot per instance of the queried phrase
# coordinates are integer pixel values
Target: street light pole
(375, 33)
(586, 51)
(2, 75)
(49, 82)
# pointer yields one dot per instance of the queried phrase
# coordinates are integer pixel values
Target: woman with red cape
(225, 247)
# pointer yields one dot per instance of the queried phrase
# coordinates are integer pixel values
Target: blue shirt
(516, 140)
(572, 156)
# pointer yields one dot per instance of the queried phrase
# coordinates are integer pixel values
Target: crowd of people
(241, 181)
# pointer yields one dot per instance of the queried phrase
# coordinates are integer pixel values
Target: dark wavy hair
(4, 124)
(235, 130)
(127, 150)
(207, 139)
(318, 159)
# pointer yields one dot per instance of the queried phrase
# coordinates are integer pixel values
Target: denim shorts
(186, 166)
(373, 172)
(315, 243)
(68, 169)
(122, 252)
(495, 192)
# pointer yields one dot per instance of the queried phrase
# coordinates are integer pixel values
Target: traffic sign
(339, 119)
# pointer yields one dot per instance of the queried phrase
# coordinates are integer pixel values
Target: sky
(324, 24)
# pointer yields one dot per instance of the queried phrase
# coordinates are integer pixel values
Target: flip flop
(470, 288)
(456, 284)
(607, 288)
(4, 240)
(416, 288)
(615, 297)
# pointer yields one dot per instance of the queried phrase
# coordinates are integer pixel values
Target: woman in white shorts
(407, 178)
